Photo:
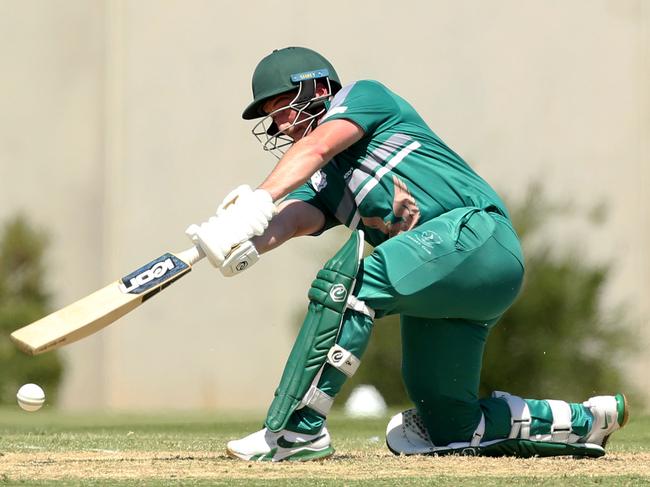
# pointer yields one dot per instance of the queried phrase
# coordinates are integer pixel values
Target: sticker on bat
(152, 274)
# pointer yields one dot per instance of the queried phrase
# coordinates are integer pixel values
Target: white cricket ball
(30, 397)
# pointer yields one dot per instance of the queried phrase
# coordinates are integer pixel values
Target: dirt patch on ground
(352, 465)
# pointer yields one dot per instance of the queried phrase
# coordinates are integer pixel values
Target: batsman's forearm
(310, 154)
(294, 219)
(300, 162)
(272, 238)
(279, 231)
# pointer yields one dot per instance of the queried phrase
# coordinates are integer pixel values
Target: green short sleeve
(366, 103)
(307, 194)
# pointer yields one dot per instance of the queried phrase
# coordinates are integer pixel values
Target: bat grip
(191, 255)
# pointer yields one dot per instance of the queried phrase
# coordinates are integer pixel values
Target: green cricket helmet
(285, 70)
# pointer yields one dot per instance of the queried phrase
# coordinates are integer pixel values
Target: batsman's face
(288, 121)
(286, 117)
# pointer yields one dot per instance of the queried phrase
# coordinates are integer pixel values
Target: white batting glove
(243, 214)
(253, 209)
(214, 238)
(231, 197)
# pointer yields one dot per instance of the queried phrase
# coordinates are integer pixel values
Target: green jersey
(398, 176)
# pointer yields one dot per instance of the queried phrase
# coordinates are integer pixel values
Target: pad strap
(317, 400)
(328, 296)
(360, 306)
(520, 418)
(343, 360)
(479, 432)
(561, 427)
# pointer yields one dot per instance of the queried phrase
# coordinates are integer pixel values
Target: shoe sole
(626, 411)
(232, 454)
(626, 417)
(310, 455)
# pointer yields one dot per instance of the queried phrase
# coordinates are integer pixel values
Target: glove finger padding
(259, 200)
(244, 196)
(251, 220)
(254, 209)
(231, 197)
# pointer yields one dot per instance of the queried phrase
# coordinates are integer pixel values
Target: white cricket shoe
(407, 435)
(265, 445)
(610, 414)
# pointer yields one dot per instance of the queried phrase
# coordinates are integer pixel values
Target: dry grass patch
(354, 465)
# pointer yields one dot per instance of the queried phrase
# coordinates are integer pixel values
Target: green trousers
(450, 279)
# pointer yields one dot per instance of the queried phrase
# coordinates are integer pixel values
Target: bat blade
(101, 308)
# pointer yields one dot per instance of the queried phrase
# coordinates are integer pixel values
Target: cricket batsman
(445, 258)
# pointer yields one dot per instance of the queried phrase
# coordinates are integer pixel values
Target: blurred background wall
(120, 125)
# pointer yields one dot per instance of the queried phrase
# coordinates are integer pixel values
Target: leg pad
(315, 345)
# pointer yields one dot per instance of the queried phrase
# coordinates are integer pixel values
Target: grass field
(49, 448)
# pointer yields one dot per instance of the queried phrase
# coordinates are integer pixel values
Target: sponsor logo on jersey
(430, 236)
(319, 180)
(426, 239)
(152, 274)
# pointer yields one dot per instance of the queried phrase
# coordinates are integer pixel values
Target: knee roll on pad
(330, 297)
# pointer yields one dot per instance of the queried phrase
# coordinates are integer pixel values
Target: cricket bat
(101, 308)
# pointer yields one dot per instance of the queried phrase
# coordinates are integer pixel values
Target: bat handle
(191, 255)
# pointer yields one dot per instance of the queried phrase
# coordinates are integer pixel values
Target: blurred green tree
(23, 299)
(557, 340)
